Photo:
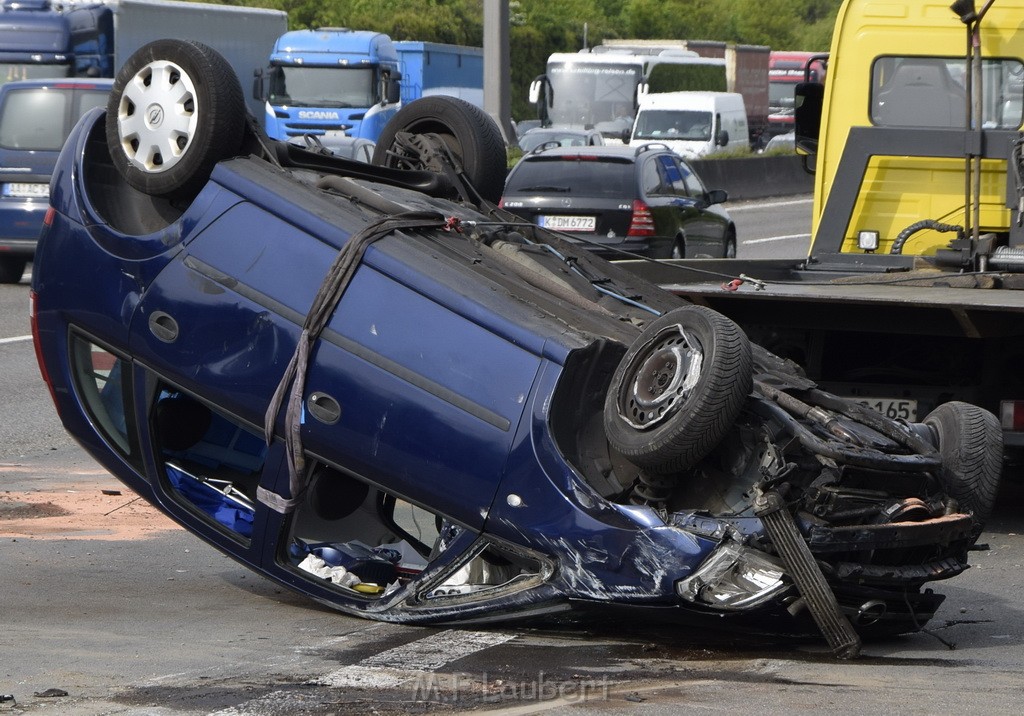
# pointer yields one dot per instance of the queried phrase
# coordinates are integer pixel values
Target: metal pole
(497, 61)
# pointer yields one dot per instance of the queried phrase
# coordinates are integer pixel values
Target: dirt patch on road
(88, 505)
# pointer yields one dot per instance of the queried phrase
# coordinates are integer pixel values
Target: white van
(693, 124)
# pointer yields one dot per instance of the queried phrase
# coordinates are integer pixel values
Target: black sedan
(619, 201)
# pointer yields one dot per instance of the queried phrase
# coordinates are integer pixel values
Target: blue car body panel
(449, 388)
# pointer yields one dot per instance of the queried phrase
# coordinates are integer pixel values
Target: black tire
(970, 441)
(678, 389)
(12, 269)
(678, 248)
(730, 243)
(466, 130)
(175, 110)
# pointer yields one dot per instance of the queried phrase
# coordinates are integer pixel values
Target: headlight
(734, 577)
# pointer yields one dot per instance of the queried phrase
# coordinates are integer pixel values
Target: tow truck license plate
(892, 408)
(569, 223)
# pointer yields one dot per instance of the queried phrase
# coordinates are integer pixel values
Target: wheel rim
(662, 376)
(157, 117)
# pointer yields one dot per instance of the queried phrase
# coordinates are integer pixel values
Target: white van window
(673, 124)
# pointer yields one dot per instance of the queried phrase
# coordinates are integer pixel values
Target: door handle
(163, 326)
(324, 408)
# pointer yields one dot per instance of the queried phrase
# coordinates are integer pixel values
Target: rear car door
(675, 211)
(704, 230)
(713, 226)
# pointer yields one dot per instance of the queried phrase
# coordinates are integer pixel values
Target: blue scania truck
(334, 82)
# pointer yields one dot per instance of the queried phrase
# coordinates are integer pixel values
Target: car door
(707, 227)
(426, 401)
(675, 211)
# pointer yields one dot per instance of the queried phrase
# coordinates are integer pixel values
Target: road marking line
(391, 668)
(767, 204)
(396, 666)
(15, 339)
(776, 238)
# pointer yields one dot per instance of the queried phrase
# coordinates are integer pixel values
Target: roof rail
(648, 146)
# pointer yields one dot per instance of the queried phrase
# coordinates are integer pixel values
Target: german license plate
(892, 408)
(569, 223)
(27, 190)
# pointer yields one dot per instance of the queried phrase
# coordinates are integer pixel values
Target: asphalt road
(107, 602)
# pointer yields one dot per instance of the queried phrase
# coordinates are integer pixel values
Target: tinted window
(674, 183)
(39, 119)
(694, 187)
(590, 177)
(103, 384)
(650, 178)
(930, 92)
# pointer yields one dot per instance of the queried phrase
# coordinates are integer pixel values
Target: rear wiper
(563, 189)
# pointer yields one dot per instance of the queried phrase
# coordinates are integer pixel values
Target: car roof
(617, 151)
(558, 130)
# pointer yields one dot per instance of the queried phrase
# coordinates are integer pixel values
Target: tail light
(37, 345)
(642, 222)
(1011, 415)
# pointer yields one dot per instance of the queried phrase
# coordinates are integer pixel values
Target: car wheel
(466, 131)
(678, 389)
(175, 110)
(12, 269)
(679, 248)
(970, 440)
(730, 244)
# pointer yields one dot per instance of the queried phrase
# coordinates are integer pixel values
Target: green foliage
(676, 78)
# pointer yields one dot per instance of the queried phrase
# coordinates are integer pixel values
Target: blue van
(36, 116)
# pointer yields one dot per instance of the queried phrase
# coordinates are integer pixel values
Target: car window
(694, 186)
(86, 100)
(37, 118)
(589, 177)
(33, 119)
(650, 178)
(673, 177)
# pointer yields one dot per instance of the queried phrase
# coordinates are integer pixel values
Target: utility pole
(497, 92)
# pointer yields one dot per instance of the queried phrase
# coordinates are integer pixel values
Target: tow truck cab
(903, 137)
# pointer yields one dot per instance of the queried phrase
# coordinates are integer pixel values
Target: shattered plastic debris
(337, 575)
(50, 693)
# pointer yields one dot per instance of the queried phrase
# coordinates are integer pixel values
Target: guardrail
(755, 177)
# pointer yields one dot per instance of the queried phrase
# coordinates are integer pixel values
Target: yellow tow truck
(912, 293)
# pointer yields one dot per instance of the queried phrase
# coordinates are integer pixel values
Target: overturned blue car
(371, 385)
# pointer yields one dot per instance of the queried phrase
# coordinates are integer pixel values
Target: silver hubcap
(157, 117)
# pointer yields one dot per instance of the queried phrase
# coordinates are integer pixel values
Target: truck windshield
(587, 93)
(673, 124)
(930, 92)
(10, 71)
(40, 119)
(781, 94)
(322, 86)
